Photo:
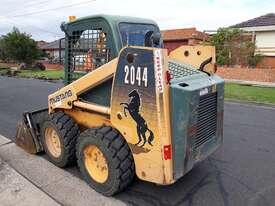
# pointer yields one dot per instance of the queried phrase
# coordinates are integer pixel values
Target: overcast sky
(42, 18)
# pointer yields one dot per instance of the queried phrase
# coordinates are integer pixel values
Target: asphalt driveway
(241, 173)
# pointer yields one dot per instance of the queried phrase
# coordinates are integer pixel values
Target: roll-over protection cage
(93, 41)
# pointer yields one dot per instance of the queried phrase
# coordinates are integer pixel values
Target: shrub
(232, 47)
(253, 60)
(39, 66)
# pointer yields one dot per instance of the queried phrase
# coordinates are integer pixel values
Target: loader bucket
(24, 138)
(27, 134)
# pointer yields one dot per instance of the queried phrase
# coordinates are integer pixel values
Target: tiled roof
(265, 20)
(41, 43)
(53, 45)
(180, 34)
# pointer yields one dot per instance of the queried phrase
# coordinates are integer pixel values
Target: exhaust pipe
(203, 64)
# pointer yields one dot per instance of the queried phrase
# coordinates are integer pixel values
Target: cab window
(134, 34)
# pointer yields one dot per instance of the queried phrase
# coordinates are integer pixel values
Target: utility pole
(60, 49)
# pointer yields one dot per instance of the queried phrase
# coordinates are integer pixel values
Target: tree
(20, 47)
(233, 47)
(3, 55)
(224, 41)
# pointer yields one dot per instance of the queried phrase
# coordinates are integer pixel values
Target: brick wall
(267, 62)
(248, 74)
(8, 65)
(54, 66)
(171, 45)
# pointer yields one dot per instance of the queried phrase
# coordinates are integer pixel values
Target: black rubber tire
(118, 156)
(68, 132)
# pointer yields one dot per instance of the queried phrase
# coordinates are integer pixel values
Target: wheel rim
(96, 164)
(53, 142)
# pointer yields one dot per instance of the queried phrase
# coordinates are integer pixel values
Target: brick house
(175, 38)
(262, 30)
(54, 49)
(41, 43)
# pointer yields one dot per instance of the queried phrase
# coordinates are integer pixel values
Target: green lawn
(51, 74)
(3, 70)
(249, 93)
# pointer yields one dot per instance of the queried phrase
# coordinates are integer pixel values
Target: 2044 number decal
(136, 75)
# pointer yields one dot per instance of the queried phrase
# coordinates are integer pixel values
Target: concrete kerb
(4, 140)
(56, 183)
(252, 83)
(251, 103)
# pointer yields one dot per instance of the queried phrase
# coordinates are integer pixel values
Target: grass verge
(249, 93)
(47, 74)
(3, 70)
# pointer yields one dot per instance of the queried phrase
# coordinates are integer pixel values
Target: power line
(8, 18)
(32, 3)
(35, 27)
(52, 9)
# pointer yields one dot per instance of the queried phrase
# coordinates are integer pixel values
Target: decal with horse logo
(133, 107)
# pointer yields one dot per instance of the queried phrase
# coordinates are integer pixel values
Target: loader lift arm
(80, 86)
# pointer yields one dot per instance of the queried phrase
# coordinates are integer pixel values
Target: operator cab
(95, 40)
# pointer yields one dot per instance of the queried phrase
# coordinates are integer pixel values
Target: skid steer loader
(128, 108)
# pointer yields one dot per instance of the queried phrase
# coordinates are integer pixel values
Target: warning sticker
(158, 70)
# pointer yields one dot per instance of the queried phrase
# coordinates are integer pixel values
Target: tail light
(167, 152)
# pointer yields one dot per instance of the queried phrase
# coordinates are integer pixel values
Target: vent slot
(181, 70)
(207, 119)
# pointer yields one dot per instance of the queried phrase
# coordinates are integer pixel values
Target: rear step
(27, 134)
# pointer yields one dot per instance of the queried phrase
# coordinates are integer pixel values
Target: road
(241, 173)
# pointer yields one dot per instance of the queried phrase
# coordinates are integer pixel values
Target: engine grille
(181, 70)
(207, 119)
